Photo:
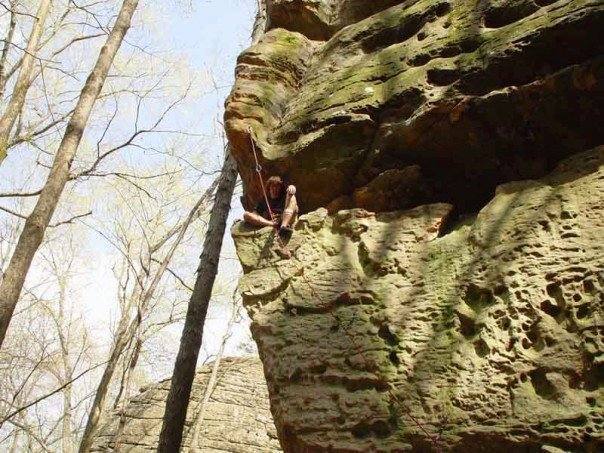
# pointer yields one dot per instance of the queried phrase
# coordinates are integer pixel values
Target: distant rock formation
(432, 303)
(237, 418)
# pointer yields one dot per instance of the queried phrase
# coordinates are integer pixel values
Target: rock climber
(283, 205)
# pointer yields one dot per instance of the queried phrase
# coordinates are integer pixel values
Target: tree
(135, 176)
(60, 61)
(170, 438)
(5, 49)
(177, 403)
(8, 118)
(37, 222)
(46, 355)
(134, 307)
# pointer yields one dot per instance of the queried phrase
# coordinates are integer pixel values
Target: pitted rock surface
(468, 94)
(320, 19)
(402, 331)
(237, 418)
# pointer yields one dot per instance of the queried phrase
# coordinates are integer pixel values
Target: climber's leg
(289, 216)
(255, 219)
(290, 211)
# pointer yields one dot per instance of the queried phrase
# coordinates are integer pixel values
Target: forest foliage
(101, 309)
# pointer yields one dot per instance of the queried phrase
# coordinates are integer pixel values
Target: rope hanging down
(259, 171)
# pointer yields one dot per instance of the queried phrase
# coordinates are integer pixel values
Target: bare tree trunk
(8, 41)
(37, 222)
(14, 447)
(67, 372)
(170, 438)
(66, 423)
(198, 422)
(124, 336)
(124, 390)
(129, 366)
(23, 82)
(196, 446)
(261, 24)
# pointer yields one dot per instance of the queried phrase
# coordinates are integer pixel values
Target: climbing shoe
(285, 233)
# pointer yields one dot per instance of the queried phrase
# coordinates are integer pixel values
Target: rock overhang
(487, 331)
(433, 84)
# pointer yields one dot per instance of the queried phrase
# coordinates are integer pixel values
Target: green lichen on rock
(487, 332)
(431, 83)
(398, 117)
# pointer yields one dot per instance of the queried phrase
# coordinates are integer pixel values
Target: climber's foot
(285, 232)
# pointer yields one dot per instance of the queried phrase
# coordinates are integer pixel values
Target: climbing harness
(434, 440)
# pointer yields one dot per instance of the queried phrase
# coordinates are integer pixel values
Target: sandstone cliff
(237, 418)
(488, 333)
(435, 304)
(427, 98)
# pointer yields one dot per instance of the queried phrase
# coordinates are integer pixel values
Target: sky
(208, 36)
(213, 35)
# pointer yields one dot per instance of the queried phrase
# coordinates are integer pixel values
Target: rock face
(473, 94)
(237, 418)
(432, 304)
(321, 19)
(397, 332)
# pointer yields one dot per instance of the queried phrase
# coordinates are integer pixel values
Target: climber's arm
(290, 210)
(255, 219)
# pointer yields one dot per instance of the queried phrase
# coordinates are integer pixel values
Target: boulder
(237, 418)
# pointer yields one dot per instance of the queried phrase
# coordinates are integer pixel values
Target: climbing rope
(434, 440)
(259, 172)
(280, 243)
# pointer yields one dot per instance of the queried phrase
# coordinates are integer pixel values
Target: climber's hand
(275, 221)
(291, 190)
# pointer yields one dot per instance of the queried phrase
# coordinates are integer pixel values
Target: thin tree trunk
(129, 366)
(23, 82)
(170, 438)
(125, 390)
(37, 222)
(8, 41)
(66, 427)
(67, 372)
(210, 386)
(14, 448)
(261, 24)
(124, 336)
